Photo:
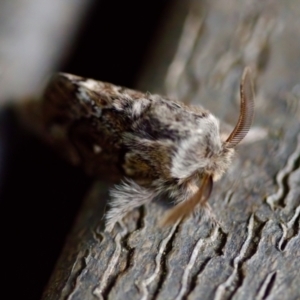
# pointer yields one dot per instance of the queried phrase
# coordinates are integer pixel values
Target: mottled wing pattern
(83, 124)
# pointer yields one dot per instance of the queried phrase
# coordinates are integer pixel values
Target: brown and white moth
(157, 145)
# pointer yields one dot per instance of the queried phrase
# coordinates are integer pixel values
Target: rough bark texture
(254, 253)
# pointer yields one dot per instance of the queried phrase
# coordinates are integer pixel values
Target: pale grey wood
(34, 35)
(254, 252)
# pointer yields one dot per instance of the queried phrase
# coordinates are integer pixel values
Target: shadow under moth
(156, 145)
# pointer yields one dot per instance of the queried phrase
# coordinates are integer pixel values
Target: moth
(156, 145)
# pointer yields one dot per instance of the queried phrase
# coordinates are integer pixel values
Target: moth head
(218, 162)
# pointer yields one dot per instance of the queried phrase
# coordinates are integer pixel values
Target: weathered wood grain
(254, 252)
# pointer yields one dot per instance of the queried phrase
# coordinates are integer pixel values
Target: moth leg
(124, 198)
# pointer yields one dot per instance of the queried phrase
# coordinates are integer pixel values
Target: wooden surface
(34, 35)
(254, 253)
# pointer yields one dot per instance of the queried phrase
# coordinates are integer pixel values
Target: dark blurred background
(40, 194)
